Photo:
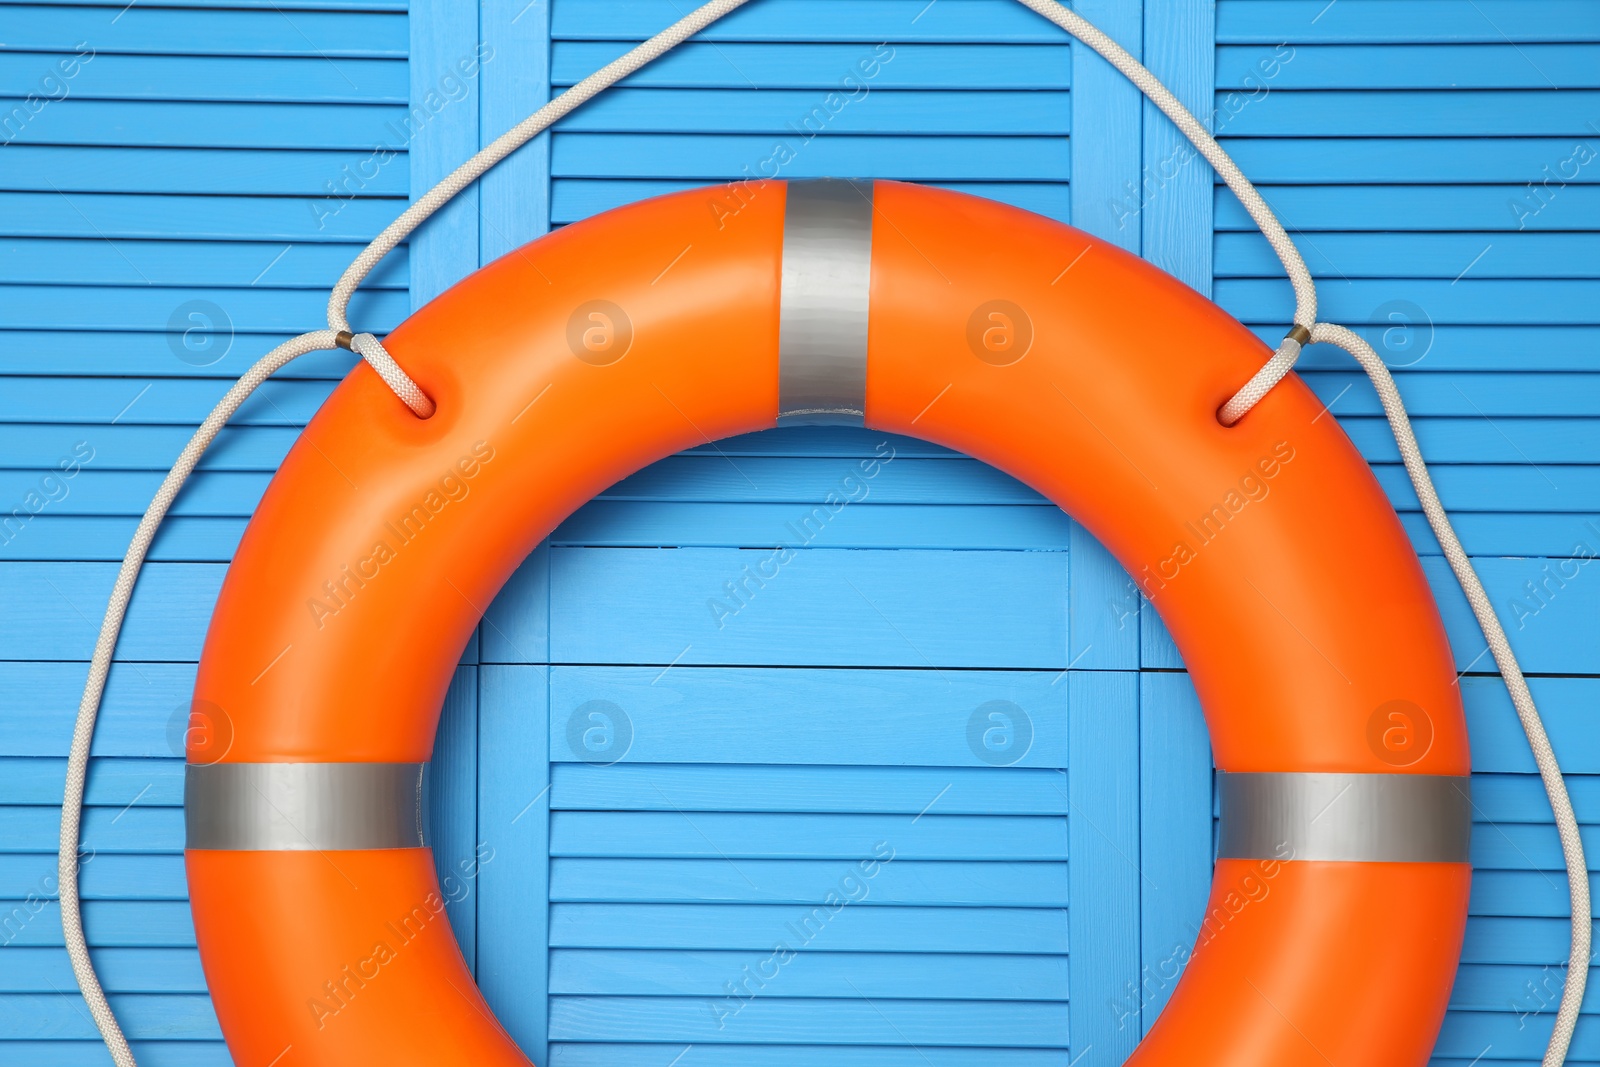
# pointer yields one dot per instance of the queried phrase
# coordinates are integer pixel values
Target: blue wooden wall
(948, 709)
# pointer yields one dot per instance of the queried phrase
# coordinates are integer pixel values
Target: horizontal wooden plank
(144, 713)
(1315, 208)
(109, 923)
(1535, 112)
(1499, 65)
(208, 124)
(1499, 988)
(1513, 1038)
(742, 787)
(745, 156)
(843, 838)
(802, 113)
(105, 876)
(53, 611)
(837, 608)
(639, 1054)
(812, 974)
(847, 67)
(572, 199)
(1490, 301)
(159, 353)
(190, 171)
(212, 310)
(1526, 847)
(176, 77)
(1520, 798)
(907, 882)
(200, 264)
(809, 20)
(52, 1016)
(95, 537)
(821, 1021)
(1525, 893)
(1381, 22)
(1408, 339)
(184, 402)
(202, 31)
(1422, 160)
(1498, 744)
(93, 1053)
(179, 217)
(1413, 255)
(1518, 940)
(121, 970)
(111, 782)
(850, 929)
(703, 715)
(135, 828)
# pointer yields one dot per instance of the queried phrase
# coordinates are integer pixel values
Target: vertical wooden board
(1104, 877)
(1175, 187)
(516, 628)
(1175, 781)
(1102, 608)
(441, 132)
(453, 807)
(513, 850)
(515, 196)
(1106, 137)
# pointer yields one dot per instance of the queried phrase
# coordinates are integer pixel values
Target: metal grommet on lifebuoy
(1268, 547)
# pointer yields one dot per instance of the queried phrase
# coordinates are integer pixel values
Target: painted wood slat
(112, 782)
(166, 401)
(797, 112)
(1497, 65)
(753, 927)
(208, 124)
(93, 1053)
(1534, 112)
(1106, 884)
(210, 78)
(1539, 894)
(1488, 301)
(774, 836)
(110, 923)
(169, 30)
(53, 261)
(136, 829)
(597, 1054)
(1467, 1034)
(1420, 160)
(814, 974)
(250, 310)
(1411, 255)
(825, 66)
(513, 810)
(69, 170)
(906, 881)
(836, 608)
(1429, 21)
(573, 199)
(122, 215)
(767, 787)
(1385, 207)
(824, 1021)
(146, 1016)
(107, 876)
(810, 20)
(916, 717)
(741, 156)
(121, 970)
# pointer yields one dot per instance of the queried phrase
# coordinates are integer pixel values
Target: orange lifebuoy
(1268, 548)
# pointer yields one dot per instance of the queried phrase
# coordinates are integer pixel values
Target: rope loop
(371, 349)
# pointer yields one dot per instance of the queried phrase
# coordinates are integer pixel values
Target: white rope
(1307, 330)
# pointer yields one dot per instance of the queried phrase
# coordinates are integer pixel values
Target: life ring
(1268, 548)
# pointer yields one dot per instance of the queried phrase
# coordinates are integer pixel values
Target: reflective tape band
(822, 323)
(1372, 818)
(287, 807)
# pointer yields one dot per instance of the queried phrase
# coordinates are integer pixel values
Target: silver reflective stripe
(302, 806)
(822, 326)
(1377, 818)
